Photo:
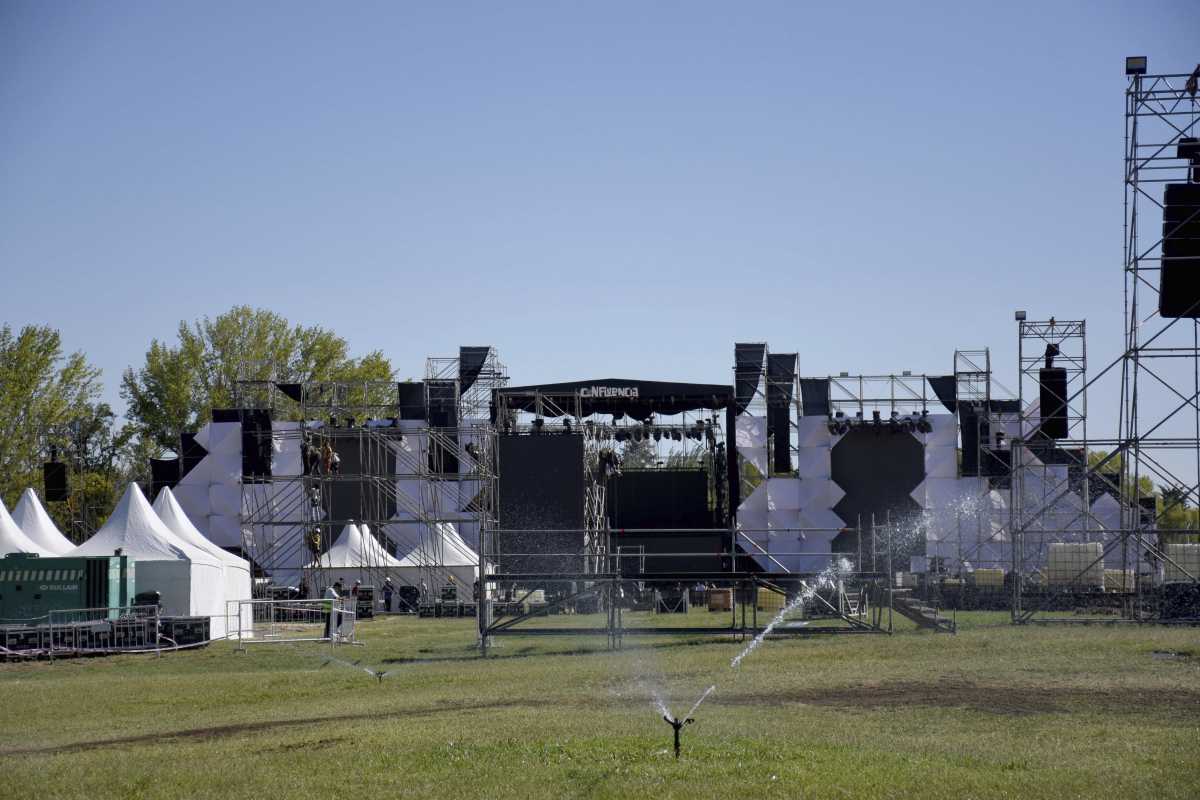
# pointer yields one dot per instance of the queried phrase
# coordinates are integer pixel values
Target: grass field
(995, 711)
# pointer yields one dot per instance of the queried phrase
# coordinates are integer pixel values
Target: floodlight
(1019, 316)
(1135, 65)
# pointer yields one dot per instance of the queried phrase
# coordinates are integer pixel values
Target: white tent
(188, 578)
(35, 523)
(355, 556)
(438, 549)
(236, 571)
(13, 540)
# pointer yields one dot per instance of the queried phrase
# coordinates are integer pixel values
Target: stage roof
(624, 396)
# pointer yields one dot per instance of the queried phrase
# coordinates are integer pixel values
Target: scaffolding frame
(1159, 428)
(1156, 417)
(290, 519)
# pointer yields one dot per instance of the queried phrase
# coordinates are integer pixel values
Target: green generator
(31, 587)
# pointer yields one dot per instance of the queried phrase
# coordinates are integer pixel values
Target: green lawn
(995, 711)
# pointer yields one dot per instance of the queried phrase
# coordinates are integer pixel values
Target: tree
(179, 384)
(48, 405)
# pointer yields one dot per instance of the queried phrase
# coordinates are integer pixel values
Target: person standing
(331, 600)
(388, 592)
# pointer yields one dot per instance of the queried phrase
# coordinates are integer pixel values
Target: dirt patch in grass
(218, 731)
(976, 697)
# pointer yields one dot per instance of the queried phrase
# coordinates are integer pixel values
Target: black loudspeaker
(54, 479)
(1179, 283)
(256, 444)
(1053, 401)
(192, 453)
(1148, 510)
(164, 473)
(970, 441)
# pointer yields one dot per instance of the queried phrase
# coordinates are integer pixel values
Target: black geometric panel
(877, 471)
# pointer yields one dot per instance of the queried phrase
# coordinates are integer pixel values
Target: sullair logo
(627, 392)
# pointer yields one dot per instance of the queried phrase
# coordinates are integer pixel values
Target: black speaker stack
(1052, 401)
(1179, 282)
(54, 480)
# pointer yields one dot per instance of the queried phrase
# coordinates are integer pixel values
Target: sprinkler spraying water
(677, 724)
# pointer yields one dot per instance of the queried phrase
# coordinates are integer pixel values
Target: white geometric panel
(785, 520)
(941, 462)
(750, 432)
(199, 475)
(813, 432)
(821, 521)
(812, 553)
(260, 499)
(948, 493)
(408, 495)
(225, 468)
(814, 462)
(756, 502)
(193, 498)
(202, 435)
(756, 456)
(224, 531)
(820, 492)
(224, 499)
(225, 437)
(1107, 512)
(783, 494)
(285, 449)
(468, 489)
(945, 431)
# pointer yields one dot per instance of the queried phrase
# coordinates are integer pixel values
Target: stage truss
(414, 476)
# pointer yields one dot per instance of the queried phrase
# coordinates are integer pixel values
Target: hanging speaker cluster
(1179, 284)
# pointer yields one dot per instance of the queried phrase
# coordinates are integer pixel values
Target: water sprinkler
(677, 724)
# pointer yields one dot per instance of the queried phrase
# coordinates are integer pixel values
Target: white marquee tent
(236, 571)
(35, 523)
(355, 556)
(189, 579)
(439, 549)
(13, 540)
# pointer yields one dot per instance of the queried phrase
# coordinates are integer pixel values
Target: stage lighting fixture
(537, 425)
(567, 424)
(620, 435)
(658, 434)
(1051, 351)
(676, 435)
(332, 421)
(923, 426)
(1135, 65)
(876, 418)
(833, 426)
(1019, 316)
(472, 450)
(637, 434)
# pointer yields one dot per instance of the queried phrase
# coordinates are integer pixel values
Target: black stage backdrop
(659, 498)
(877, 470)
(670, 500)
(541, 489)
(358, 499)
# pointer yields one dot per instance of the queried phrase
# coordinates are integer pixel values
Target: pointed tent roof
(439, 545)
(134, 527)
(174, 517)
(354, 549)
(13, 540)
(34, 522)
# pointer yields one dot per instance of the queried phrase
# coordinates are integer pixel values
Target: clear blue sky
(621, 190)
